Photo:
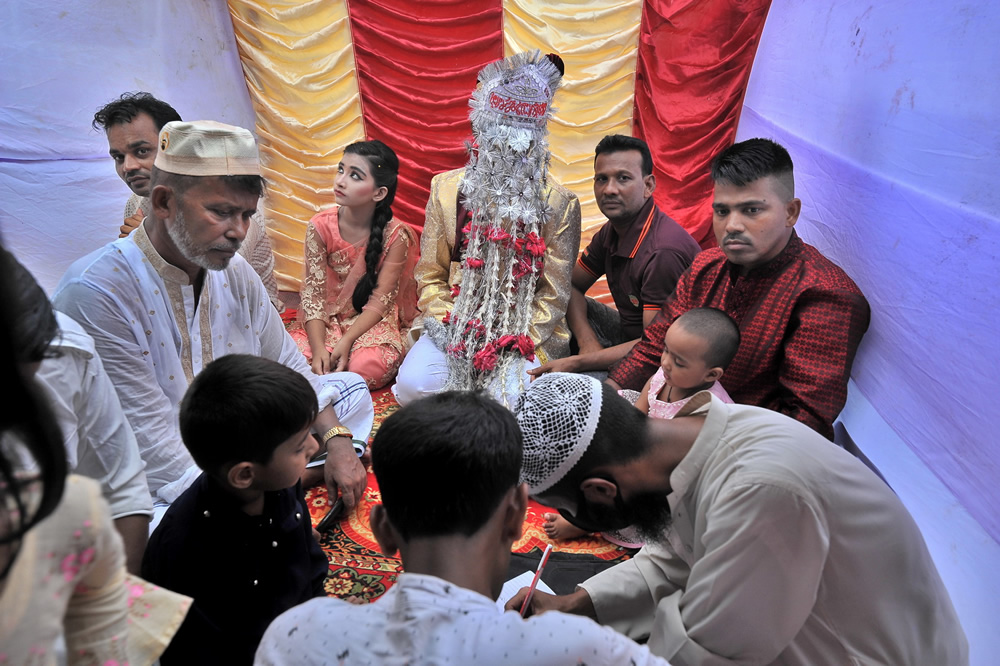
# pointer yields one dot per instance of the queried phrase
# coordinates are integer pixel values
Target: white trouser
(425, 371)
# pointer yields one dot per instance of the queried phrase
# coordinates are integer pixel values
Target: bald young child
(698, 347)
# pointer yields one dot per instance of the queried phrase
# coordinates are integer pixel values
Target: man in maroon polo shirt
(641, 250)
(801, 317)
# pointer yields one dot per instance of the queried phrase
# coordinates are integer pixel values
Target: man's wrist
(359, 447)
(580, 603)
(337, 431)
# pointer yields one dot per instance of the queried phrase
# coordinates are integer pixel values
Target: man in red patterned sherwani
(800, 316)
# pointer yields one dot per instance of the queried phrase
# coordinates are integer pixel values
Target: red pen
(534, 581)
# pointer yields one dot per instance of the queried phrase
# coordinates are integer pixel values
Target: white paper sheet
(511, 587)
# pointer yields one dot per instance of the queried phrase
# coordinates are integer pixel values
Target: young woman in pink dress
(359, 298)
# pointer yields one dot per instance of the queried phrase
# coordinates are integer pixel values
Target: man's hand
(613, 384)
(131, 223)
(343, 470)
(568, 364)
(578, 603)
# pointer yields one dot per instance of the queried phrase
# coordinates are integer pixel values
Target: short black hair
(35, 327)
(128, 106)
(715, 327)
(444, 462)
(749, 161)
(618, 143)
(180, 183)
(240, 408)
(620, 436)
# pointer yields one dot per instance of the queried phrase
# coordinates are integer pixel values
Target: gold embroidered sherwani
(436, 273)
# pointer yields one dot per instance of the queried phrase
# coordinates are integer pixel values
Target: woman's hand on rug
(321, 362)
(339, 356)
(344, 470)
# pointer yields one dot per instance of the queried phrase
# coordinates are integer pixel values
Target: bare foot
(557, 527)
(356, 600)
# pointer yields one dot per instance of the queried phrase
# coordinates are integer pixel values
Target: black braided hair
(385, 169)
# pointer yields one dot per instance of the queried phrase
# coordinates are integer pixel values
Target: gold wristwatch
(337, 431)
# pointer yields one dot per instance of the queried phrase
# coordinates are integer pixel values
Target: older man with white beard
(174, 295)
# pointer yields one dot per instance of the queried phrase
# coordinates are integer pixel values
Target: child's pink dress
(659, 409)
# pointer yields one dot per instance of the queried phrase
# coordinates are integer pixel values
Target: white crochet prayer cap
(207, 148)
(558, 415)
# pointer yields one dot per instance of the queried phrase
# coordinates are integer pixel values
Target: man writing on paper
(447, 468)
(765, 544)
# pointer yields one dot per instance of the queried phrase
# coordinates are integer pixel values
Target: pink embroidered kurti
(69, 579)
(333, 269)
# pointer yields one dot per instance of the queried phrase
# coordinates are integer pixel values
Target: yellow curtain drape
(298, 62)
(598, 45)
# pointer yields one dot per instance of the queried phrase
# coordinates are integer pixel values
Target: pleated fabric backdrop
(325, 73)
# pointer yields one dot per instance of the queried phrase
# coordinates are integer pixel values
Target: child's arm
(642, 402)
(313, 300)
(379, 302)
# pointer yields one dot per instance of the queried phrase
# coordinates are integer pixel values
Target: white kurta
(99, 441)
(785, 549)
(427, 620)
(141, 312)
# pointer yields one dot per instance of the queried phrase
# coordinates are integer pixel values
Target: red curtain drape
(416, 65)
(693, 66)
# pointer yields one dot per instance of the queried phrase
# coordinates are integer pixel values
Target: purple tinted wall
(889, 112)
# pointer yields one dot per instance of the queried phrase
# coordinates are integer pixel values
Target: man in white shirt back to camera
(99, 440)
(164, 302)
(447, 467)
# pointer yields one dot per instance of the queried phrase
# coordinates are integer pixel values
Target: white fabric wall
(889, 112)
(59, 195)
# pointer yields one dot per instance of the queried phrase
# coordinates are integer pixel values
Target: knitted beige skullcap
(558, 415)
(207, 148)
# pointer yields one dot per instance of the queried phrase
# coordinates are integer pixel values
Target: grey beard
(181, 236)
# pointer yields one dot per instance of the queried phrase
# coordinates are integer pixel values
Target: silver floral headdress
(503, 254)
